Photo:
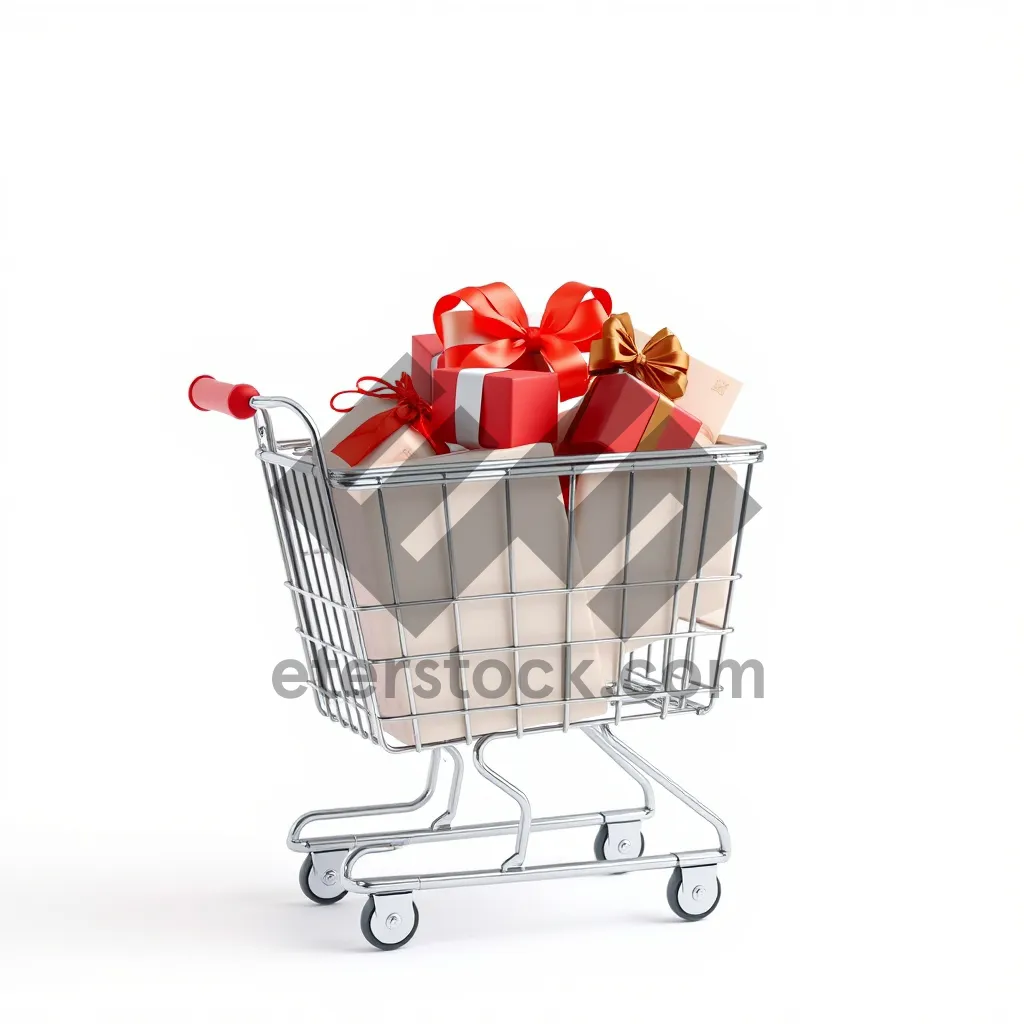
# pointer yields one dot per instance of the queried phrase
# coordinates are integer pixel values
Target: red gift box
(622, 414)
(483, 408)
(427, 354)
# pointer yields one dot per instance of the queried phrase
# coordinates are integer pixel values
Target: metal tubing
(513, 604)
(590, 589)
(402, 644)
(482, 830)
(728, 596)
(627, 758)
(454, 583)
(691, 632)
(371, 810)
(644, 697)
(539, 873)
(625, 594)
(444, 820)
(725, 846)
(732, 451)
(609, 748)
(567, 650)
(525, 811)
(671, 645)
(542, 645)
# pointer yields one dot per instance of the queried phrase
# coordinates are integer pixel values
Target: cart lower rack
(510, 567)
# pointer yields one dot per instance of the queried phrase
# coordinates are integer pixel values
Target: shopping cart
(330, 614)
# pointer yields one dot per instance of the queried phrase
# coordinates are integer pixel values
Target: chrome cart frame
(328, 614)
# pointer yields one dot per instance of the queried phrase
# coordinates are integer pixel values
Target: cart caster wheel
(314, 888)
(693, 904)
(604, 850)
(389, 922)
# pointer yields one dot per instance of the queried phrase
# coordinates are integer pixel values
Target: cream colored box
(710, 395)
(426, 566)
(489, 678)
(661, 502)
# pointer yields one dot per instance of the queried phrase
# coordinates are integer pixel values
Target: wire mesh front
(446, 599)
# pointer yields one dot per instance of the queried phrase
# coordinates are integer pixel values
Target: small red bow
(569, 324)
(409, 410)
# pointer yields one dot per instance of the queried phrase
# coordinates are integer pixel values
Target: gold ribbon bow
(661, 364)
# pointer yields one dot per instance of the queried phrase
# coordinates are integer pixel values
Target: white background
(824, 199)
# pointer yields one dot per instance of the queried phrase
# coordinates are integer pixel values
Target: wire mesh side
(317, 577)
(645, 679)
(324, 623)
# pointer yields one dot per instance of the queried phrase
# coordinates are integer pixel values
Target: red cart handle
(209, 395)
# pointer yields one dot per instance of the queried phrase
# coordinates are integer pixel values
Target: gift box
(387, 423)
(480, 408)
(481, 697)
(494, 332)
(659, 361)
(427, 354)
(629, 404)
(664, 545)
(709, 396)
(622, 414)
(450, 576)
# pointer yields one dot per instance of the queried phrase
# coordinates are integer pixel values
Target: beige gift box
(710, 394)
(660, 504)
(429, 564)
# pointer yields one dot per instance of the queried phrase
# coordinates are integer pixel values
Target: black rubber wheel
(364, 926)
(304, 872)
(675, 880)
(602, 837)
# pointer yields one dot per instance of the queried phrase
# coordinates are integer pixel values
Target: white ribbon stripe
(469, 400)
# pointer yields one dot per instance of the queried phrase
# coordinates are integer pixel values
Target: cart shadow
(459, 916)
(258, 920)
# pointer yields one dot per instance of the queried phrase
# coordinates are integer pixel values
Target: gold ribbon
(661, 364)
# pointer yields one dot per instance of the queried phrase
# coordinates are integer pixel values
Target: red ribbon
(569, 324)
(409, 410)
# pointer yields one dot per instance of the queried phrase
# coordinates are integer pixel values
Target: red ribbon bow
(569, 324)
(409, 410)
